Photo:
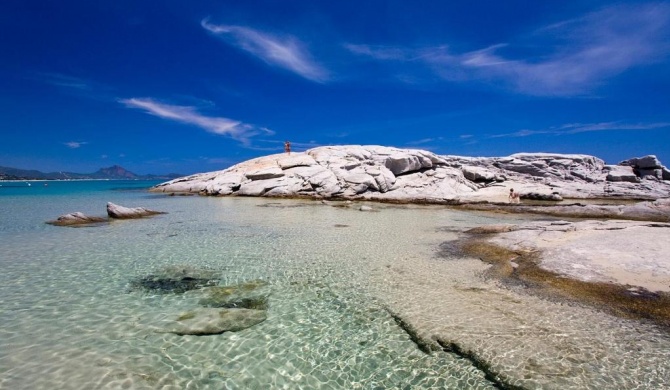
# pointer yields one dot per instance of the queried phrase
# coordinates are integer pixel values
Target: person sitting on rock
(513, 196)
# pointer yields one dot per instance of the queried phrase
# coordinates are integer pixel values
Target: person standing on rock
(287, 147)
(513, 196)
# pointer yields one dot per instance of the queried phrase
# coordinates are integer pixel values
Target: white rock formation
(120, 212)
(412, 175)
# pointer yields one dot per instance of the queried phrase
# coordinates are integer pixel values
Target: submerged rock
(120, 212)
(76, 219)
(208, 321)
(248, 295)
(175, 280)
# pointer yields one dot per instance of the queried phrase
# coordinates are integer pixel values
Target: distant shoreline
(52, 180)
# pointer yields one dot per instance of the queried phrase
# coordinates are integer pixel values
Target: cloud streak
(288, 53)
(65, 81)
(575, 128)
(572, 57)
(74, 144)
(189, 115)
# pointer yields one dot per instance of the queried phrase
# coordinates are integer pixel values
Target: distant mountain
(114, 172)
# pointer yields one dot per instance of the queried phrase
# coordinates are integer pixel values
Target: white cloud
(189, 115)
(74, 144)
(380, 52)
(574, 128)
(580, 53)
(288, 53)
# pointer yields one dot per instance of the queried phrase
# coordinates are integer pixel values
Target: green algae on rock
(248, 295)
(522, 267)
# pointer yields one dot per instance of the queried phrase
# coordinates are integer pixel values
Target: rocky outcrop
(648, 167)
(619, 173)
(119, 212)
(412, 175)
(76, 219)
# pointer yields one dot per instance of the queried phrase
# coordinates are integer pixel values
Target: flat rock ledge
(621, 267)
(656, 211)
(621, 252)
(76, 219)
(120, 212)
(390, 174)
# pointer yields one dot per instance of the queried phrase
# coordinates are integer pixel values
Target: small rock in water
(76, 219)
(365, 208)
(208, 321)
(120, 212)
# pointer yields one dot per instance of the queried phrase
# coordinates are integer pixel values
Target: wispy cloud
(381, 52)
(74, 86)
(574, 128)
(224, 161)
(65, 81)
(74, 144)
(189, 115)
(575, 56)
(285, 52)
(425, 141)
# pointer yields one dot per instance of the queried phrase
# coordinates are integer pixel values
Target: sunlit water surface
(69, 319)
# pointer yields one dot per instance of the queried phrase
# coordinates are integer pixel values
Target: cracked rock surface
(414, 175)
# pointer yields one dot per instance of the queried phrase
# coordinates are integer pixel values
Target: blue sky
(197, 86)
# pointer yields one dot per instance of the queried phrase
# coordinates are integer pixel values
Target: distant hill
(114, 172)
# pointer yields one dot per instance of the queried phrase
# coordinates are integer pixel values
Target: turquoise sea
(337, 283)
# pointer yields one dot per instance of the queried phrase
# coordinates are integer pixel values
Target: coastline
(388, 261)
(574, 188)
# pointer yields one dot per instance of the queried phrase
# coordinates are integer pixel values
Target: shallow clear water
(70, 319)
